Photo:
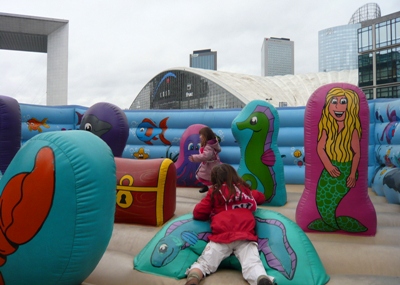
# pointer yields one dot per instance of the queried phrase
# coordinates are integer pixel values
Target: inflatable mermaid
(336, 187)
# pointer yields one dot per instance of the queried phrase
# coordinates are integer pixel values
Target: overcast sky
(116, 47)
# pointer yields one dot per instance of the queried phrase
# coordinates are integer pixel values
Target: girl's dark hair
(225, 173)
(208, 134)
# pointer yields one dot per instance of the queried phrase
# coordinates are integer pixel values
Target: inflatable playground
(99, 196)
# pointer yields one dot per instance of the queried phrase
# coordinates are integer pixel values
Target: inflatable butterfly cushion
(285, 250)
(58, 204)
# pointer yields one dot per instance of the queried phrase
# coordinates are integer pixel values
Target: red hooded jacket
(231, 217)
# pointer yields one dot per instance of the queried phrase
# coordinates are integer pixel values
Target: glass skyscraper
(379, 57)
(337, 48)
(277, 57)
(205, 59)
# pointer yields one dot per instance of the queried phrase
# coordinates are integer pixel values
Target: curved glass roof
(292, 90)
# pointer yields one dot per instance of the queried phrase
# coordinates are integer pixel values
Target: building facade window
(379, 61)
(369, 93)
(383, 34)
(388, 66)
(388, 33)
(396, 31)
(365, 71)
(365, 39)
(388, 92)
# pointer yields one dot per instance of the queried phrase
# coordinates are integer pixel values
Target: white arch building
(35, 34)
(195, 88)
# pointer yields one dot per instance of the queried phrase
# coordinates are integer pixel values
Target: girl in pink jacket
(229, 204)
(208, 157)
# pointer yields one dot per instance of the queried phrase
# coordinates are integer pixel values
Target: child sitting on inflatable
(229, 204)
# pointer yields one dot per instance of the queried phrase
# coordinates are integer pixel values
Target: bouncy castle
(99, 191)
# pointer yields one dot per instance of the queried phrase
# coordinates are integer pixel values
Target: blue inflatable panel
(171, 124)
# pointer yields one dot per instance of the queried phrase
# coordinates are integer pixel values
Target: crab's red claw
(27, 199)
(9, 199)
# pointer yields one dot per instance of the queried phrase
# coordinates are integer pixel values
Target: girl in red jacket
(229, 204)
(208, 156)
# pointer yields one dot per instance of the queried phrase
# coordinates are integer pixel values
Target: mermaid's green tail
(330, 192)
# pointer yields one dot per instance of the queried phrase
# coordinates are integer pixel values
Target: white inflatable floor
(354, 260)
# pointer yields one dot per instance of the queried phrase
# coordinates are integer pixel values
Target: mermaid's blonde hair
(338, 144)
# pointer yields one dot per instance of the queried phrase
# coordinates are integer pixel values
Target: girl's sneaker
(204, 189)
(264, 280)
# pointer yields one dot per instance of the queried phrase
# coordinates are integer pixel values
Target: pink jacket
(208, 157)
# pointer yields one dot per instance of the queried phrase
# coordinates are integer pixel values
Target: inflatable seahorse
(259, 157)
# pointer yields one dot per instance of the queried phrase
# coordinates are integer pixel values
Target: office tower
(277, 57)
(205, 59)
(337, 46)
(379, 57)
